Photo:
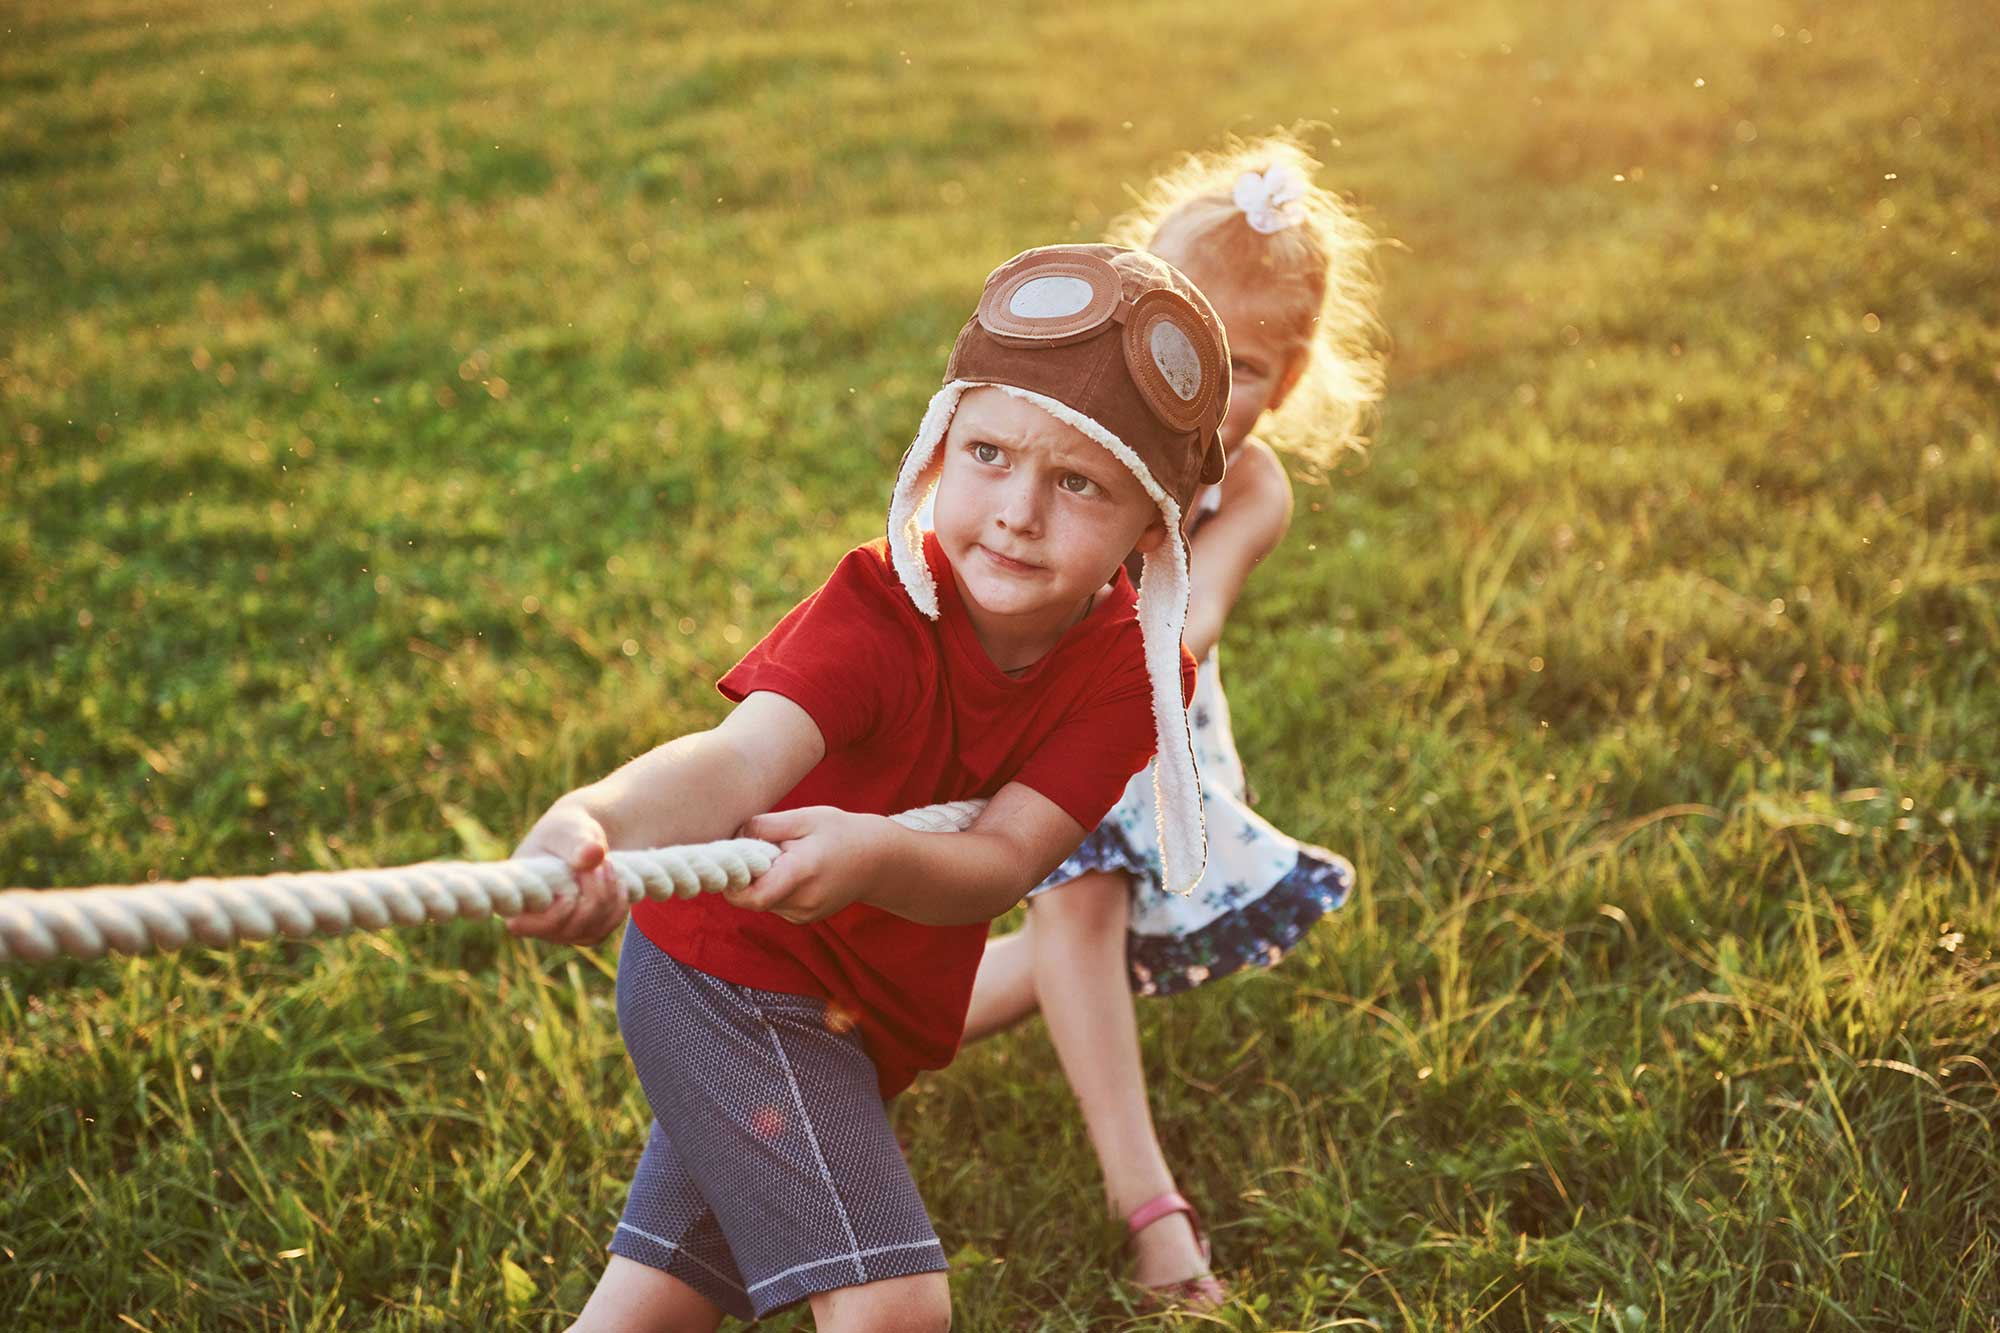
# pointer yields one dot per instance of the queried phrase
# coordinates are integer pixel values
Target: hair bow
(1272, 200)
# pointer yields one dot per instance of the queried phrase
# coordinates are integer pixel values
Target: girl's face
(1263, 361)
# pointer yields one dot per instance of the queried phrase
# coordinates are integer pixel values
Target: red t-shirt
(913, 712)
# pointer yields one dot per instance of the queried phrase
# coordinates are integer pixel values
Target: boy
(1005, 655)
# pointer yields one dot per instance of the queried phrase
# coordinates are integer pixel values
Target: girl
(1286, 266)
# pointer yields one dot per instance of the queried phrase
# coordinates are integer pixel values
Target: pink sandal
(1205, 1292)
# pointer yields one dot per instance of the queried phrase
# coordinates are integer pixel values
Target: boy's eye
(1078, 484)
(986, 453)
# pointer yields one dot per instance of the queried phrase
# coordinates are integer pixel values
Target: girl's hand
(829, 858)
(573, 835)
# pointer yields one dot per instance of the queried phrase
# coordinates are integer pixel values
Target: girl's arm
(1256, 510)
(833, 858)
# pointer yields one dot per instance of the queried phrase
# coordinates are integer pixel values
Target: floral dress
(1261, 892)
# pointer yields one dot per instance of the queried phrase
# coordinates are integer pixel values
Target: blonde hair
(1314, 281)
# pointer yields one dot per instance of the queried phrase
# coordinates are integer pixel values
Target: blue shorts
(771, 1172)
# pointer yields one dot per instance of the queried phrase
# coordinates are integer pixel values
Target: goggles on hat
(1054, 300)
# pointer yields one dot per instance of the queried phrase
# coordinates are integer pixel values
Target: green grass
(406, 412)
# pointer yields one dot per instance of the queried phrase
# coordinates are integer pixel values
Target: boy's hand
(574, 836)
(830, 858)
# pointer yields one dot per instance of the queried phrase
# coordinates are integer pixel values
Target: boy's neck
(1015, 643)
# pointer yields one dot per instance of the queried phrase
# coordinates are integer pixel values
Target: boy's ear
(1150, 540)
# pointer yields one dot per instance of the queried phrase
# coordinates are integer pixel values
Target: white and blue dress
(1262, 889)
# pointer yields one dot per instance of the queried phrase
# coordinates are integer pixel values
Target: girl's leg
(1086, 999)
(1004, 991)
(920, 1303)
(634, 1298)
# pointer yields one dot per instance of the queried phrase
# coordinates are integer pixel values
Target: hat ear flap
(906, 535)
(1177, 801)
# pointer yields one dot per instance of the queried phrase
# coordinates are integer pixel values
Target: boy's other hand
(829, 858)
(598, 905)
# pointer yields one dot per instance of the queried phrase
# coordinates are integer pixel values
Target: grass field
(408, 410)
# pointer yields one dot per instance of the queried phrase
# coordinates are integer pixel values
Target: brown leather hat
(1119, 336)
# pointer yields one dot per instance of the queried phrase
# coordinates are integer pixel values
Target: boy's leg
(918, 1304)
(777, 1119)
(634, 1298)
(670, 1267)
(1004, 991)
(1086, 999)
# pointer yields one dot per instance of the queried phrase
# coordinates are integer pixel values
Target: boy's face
(1033, 514)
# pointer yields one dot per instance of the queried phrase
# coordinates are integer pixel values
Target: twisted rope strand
(40, 924)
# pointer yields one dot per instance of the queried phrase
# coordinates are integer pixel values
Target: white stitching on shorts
(690, 1255)
(812, 1137)
(856, 1257)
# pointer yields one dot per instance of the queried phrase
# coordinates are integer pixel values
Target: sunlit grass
(408, 411)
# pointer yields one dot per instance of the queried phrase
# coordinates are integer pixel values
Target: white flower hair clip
(1272, 200)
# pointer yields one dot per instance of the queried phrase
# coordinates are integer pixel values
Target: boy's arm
(833, 858)
(702, 786)
(1253, 517)
(951, 879)
(694, 788)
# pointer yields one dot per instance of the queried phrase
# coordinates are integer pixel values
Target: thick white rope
(39, 924)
